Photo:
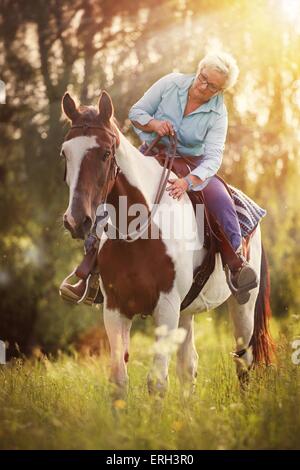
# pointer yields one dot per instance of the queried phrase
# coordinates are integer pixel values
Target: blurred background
(83, 46)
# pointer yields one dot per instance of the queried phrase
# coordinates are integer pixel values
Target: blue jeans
(221, 206)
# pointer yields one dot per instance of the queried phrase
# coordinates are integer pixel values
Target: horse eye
(62, 154)
(106, 155)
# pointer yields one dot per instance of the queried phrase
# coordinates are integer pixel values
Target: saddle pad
(249, 213)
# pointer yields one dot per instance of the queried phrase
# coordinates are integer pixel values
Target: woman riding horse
(193, 107)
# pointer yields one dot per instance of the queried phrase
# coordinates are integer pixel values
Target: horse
(151, 275)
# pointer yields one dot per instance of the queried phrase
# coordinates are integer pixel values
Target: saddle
(215, 241)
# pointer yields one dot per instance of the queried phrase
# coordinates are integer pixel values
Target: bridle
(112, 168)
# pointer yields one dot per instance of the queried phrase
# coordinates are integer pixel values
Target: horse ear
(106, 109)
(69, 107)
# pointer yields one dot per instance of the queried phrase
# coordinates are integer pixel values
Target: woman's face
(208, 83)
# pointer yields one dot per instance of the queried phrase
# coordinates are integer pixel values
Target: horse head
(89, 152)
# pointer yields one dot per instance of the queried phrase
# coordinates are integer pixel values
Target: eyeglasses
(203, 80)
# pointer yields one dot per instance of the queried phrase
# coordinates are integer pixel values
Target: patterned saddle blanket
(249, 212)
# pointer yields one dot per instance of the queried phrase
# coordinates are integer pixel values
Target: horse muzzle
(78, 227)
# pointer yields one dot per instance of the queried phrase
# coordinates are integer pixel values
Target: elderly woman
(193, 106)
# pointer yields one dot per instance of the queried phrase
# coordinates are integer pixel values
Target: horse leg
(187, 357)
(243, 323)
(243, 316)
(118, 331)
(166, 317)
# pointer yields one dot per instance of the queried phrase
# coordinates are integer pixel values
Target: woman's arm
(142, 112)
(213, 152)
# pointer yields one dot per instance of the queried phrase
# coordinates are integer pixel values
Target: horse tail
(262, 344)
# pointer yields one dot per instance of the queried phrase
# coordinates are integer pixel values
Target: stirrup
(69, 296)
(91, 290)
(232, 288)
(242, 293)
(90, 294)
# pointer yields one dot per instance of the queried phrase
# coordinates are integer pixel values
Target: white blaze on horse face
(75, 150)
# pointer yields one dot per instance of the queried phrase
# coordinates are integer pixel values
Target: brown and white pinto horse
(150, 275)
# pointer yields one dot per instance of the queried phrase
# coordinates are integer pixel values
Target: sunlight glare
(291, 10)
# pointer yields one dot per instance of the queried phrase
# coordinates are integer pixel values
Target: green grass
(66, 403)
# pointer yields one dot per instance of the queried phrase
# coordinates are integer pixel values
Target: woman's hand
(161, 127)
(177, 188)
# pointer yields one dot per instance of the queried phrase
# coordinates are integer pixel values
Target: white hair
(223, 63)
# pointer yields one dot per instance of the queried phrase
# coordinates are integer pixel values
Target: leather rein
(168, 164)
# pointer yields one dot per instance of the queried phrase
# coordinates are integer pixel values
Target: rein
(168, 164)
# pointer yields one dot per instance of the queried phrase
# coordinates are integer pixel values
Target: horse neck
(144, 174)
(140, 171)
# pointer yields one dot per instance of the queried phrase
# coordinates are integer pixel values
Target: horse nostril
(87, 224)
(66, 223)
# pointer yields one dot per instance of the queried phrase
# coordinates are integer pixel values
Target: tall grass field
(67, 402)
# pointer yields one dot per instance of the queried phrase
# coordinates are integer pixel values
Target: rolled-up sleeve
(214, 148)
(144, 109)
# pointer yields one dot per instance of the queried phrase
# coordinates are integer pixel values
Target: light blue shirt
(202, 132)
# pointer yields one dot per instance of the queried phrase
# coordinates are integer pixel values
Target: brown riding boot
(84, 291)
(72, 291)
(87, 288)
(241, 278)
